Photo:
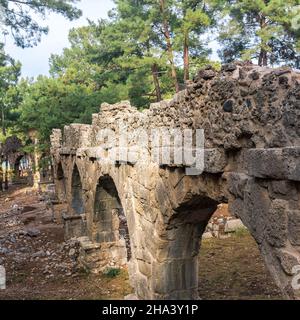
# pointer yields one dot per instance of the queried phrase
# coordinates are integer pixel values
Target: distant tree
(51, 103)
(140, 48)
(116, 58)
(18, 18)
(260, 30)
(10, 145)
(193, 19)
(9, 75)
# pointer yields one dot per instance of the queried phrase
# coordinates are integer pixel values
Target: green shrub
(112, 272)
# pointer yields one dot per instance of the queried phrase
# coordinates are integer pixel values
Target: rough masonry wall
(250, 116)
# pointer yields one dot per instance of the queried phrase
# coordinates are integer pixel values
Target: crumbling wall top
(240, 106)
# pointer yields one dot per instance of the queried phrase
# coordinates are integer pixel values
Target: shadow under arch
(109, 221)
(60, 183)
(17, 166)
(231, 265)
(178, 272)
(77, 203)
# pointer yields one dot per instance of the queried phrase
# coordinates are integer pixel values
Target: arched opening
(109, 221)
(76, 192)
(230, 263)
(21, 168)
(60, 183)
(17, 169)
(176, 272)
(188, 263)
(45, 169)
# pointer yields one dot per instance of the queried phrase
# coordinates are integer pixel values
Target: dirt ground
(233, 268)
(41, 265)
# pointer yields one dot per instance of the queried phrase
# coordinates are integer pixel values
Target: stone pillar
(36, 158)
(36, 175)
(175, 273)
(267, 199)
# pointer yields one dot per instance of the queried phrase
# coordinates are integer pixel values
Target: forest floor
(41, 265)
(233, 268)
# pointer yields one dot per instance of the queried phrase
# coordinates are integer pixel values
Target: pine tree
(17, 18)
(259, 30)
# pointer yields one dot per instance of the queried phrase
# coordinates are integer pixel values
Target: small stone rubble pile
(31, 244)
(222, 227)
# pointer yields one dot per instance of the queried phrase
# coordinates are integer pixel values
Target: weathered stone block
(265, 163)
(294, 226)
(174, 275)
(237, 183)
(74, 226)
(291, 157)
(214, 160)
(236, 208)
(142, 286)
(256, 207)
(233, 225)
(144, 268)
(288, 260)
(277, 223)
(283, 189)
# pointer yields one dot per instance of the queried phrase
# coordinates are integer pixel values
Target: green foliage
(259, 30)
(17, 18)
(193, 19)
(9, 94)
(135, 55)
(120, 53)
(51, 103)
(112, 272)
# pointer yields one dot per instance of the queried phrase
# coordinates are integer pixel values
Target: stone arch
(176, 271)
(20, 164)
(77, 203)
(266, 207)
(109, 221)
(17, 166)
(251, 161)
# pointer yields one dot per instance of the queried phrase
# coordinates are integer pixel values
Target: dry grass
(233, 268)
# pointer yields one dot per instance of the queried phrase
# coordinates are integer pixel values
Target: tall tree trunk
(37, 156)
(263, 55)
(263, 58)
(169, 44)
(154, 70)
(186, 58)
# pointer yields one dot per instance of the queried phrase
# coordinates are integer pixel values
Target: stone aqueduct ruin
(152, 218)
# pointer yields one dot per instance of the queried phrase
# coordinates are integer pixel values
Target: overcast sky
(35, 60)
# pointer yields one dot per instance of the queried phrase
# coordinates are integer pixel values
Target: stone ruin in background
(151, 218)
